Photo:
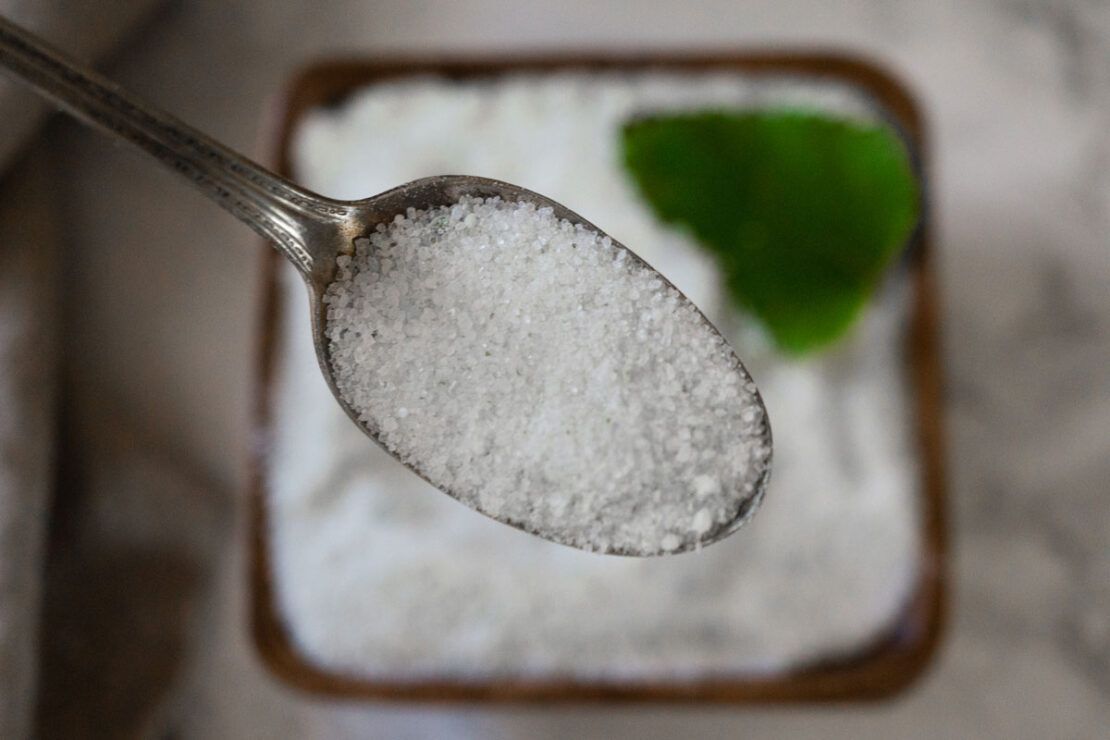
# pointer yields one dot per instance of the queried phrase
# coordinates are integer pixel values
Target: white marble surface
(160, 324)
(84, 28)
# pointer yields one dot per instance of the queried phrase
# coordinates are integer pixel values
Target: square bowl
(880, 668)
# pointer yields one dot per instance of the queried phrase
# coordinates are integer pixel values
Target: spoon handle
(275, 208)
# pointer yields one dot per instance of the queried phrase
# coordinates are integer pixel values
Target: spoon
(310, 230)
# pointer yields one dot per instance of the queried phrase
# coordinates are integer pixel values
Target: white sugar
(379, 574)
(545, 376)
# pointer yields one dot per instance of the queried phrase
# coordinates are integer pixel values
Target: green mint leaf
(803, 211)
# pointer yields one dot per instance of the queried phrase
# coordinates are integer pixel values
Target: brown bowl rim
(880, 669)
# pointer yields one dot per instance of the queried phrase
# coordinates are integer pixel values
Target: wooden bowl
(880, 669)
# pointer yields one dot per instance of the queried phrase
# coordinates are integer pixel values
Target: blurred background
(127, 327)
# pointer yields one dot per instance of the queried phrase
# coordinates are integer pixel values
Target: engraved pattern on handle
(275, 208)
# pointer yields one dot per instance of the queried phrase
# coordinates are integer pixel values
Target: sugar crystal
(378, 575)
(525, 365)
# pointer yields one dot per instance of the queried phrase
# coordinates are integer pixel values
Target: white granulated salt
(546, 377)
(378, 574)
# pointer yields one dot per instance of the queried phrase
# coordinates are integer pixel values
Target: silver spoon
(311, 231)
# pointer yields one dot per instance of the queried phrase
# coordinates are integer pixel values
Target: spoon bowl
(364, 216)
(310, 230)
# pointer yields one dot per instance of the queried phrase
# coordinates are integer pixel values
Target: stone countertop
(160, 321)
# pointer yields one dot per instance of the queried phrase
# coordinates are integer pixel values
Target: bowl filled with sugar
(366, 582)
